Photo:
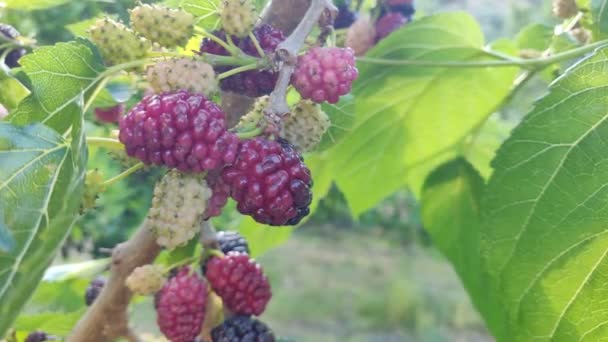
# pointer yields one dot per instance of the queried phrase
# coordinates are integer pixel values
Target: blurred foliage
(49, 25)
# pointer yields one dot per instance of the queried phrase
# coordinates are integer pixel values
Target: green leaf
(535, 36)
(29, 5)
(7, 243)
(79, 29)
(65, 272)
(58, 296)
(41, 184)
(52, 323)
(599, 9)
(203, 9)
(342, 116)
(59, 75)
(262, 238)
(12, 91)
(451, 213)
(409, 117)
(544, 239)
(180, 253)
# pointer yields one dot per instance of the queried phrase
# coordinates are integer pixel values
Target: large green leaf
(409, 117)
(12, 91)
(41, 184)
(544, 240)
(29, 5)
(53, 323)
(535, 36)
(59, 75)
(599, 8)
(451, 213)
(342, 116)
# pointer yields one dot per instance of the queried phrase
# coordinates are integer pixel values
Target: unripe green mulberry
(305, 126)
(118, 43)
(255, 115)
(93, 186)
(182, 73)
(166, 26)
(238, 17)
(146, 280)
(179, 202)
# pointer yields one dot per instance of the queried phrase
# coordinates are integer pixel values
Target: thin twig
(287, 53)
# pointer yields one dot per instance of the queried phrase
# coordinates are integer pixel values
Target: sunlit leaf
(544, 239)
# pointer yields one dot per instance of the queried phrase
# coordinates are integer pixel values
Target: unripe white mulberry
(118, 43)
(146, 280)
(166, 26)
(564, 8)
(361, 35)
(238, 17)
(182, 73)
(179, 202)
(305, 126)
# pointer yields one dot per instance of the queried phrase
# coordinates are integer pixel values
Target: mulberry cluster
(165, 26)
(177, 207)
(7, 32)
(180, 306)
(220, 192)
(109, 114)
(146, 280)
(184, 73)
(325, 74)
(564, 8)
(242, 328)
(93, 290)
(270, 182)
(363, 34)
(253, 83)
(240, 282)
(118, 43)
(231, 241)
(178, 130)
(238, 17)
(305, 125)
(38, 336)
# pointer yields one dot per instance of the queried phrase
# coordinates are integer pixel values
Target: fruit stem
(180, 263)
(237, 70)
(216, 60)
(98, 89)
(233, 50)
(123, 175)
(109, 143)
(533, 64)
(230, 60)
(212, 252)
(257, 45)
(250, 134)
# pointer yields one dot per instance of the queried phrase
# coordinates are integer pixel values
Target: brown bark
(285, 14)
(107, 318)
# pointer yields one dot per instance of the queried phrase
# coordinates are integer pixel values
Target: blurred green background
(337, 278)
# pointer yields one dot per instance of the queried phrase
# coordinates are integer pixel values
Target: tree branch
(107, 317)
(284, 15)
(287, 53)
